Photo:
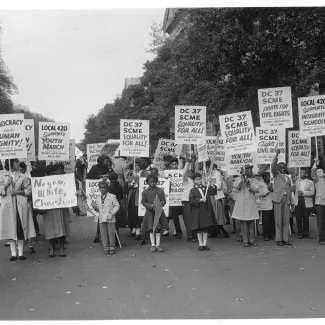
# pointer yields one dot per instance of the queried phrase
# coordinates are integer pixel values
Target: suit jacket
(308, 192)
(107, 210)
(319, 187)
(282, 184)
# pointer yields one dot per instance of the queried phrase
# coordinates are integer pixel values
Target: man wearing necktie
(281, 197)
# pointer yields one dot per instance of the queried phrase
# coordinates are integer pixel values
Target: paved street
(229, 281)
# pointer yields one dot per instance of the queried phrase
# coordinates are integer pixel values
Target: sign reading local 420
(311, 116)
(275, 107)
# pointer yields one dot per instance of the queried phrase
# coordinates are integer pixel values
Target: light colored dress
(56, 223)
(17, 206)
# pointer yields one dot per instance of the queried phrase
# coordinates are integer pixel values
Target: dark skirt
(20, 231)
(121, 218)
(148, 219)
(134, 219)
(202, 217)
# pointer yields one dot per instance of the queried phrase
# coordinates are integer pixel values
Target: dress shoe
(252, 244)
(201, 248)
(322, 242)
(178, 236)
(22, 258)
(142, 242)
(13, 258)
(159, 249)
(212, 236)
(279, 243)
(225, 233)
(240, 240)
(206, 248)
(308, 236)
(138, 237)
(287, 243)
(153, 249)
(246, 245)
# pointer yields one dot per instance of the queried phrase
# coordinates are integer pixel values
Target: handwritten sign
(163, 184)
(30, 139)
(268, 140)
(238, 132)
(53, 141)
(12, 136)
(166, 147)
(92, 191)
(54, 192)
(134, 138)
(221, 152)
(190, 124)
(275, 107)
(176, 187)
(69, 165)
(312, 116)
(78, 153)
(93, 152)
(236, 161)
(299, 150)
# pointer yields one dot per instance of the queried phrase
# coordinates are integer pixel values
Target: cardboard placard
(299, 150)
(54, 140)
(12, 136)
(54, 192)
(134, 136)
(190, 124)
(311, 116)
(275, 107)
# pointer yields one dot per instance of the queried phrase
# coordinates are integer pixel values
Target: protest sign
(190, 124)
(78, 153)
(69, 165)
(275, 107)
(53, 141)
(165, 147)
(134, 140)
(202, 152)
(268, 141)
(311, 116)
(235, 162)
(238, 132)
(111, 141)
(163, 183)
(93, 152)
(299, 150)
(54, 192)
(30, 139)
(221, 153)
(12, 136)
(92, 191)
(176, 187)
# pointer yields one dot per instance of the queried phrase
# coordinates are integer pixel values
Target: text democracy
(11, 122)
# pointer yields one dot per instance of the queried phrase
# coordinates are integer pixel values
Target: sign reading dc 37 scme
(275, 107)
(134, 138)
(190, 124)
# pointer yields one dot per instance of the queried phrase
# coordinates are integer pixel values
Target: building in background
(174, 21)
(131, 82)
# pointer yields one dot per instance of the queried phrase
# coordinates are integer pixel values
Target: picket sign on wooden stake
(316, 147)
(212, 163)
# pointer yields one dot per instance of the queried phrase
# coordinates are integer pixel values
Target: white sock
(20, 247)
(199, 237)
(158, 239)
(137, 231)
(13, 247)
(152, 239)
(205, 238)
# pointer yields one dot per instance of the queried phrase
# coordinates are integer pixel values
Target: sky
(67, 64)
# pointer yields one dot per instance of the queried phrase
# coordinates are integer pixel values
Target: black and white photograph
(162, 161)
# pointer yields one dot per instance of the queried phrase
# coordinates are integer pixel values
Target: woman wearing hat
(245, 208)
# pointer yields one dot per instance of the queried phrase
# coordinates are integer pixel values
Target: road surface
(229, 281)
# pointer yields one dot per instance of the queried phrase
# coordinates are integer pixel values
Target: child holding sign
(202, 215)
(152, 221)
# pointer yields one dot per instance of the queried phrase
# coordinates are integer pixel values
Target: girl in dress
(16, 219)
(148, 200)
(133, 198)
(202, 215)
